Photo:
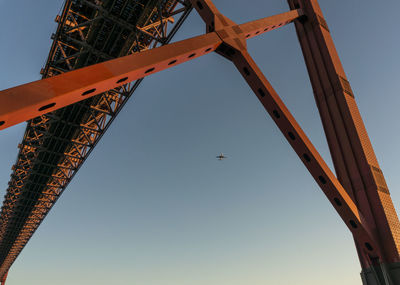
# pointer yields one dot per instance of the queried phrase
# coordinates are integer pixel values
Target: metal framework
(359, 193)
(56, 144)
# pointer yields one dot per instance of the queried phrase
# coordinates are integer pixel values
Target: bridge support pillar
(352, 153)
(382, 274)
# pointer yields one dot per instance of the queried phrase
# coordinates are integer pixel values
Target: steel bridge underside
(55, 145)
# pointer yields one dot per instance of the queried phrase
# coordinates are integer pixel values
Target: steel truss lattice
(56, 144)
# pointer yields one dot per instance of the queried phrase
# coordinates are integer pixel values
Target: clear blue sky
(153, 206)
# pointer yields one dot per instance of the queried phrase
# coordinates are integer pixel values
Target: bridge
(56, 144)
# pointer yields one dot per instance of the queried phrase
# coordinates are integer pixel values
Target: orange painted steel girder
(359, 195)
(31, 100)
(235, 50)
(352, 153)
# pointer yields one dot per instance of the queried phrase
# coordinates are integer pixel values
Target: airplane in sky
(221, 156)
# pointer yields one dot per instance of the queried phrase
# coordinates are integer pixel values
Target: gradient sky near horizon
(153, 206)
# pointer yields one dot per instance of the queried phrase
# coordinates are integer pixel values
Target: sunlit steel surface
(56, 144)
(359, 193)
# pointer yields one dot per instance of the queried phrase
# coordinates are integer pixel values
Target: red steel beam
(352, 153)
(308, 154)
(351, 149)
(236, 51)
(31, 100)
(261, 26)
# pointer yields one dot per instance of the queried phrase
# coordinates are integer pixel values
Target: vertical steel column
(352, 153)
